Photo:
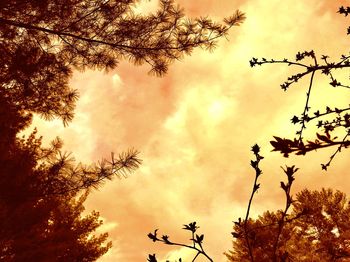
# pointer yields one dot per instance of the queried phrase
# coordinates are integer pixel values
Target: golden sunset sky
(195, 127)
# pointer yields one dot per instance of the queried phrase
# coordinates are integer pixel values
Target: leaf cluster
(328, 120)
(197, 242)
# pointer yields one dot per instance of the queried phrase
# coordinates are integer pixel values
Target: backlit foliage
(41, 42)
(196, 243)
(332, 118)
(316, 230)
(41, 201)
(42, 189)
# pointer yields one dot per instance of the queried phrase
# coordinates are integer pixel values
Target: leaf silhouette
(324, 138)
(153, 236)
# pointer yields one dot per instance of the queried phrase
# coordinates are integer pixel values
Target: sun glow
(216, 109)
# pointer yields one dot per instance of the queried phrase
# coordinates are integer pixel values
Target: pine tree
(41, 208)
(41, 42)
(42, 190)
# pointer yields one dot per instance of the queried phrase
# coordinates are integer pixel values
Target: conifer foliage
(42, 190)
(36, 222)
(42, 41)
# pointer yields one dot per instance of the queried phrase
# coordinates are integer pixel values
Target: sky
(195, 126)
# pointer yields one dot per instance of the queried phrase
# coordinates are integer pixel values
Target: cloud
(195, 127)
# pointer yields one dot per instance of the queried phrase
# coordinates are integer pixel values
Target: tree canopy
(42, 189)
(41, 42)
(316, 230)
(41, 213)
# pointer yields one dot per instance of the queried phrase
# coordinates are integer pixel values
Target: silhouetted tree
(331, 118)
(316, 230)
(42, 190)
(42, 41)
(41, 204)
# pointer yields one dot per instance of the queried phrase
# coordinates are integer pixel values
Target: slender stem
(195, 257)
(306, 108)
(281, 225)
(255, 186)
(289, 171)
(190, 247)
(343, 143)
(340, 143)
(251, 198)
(246, 220)
(329, 112)
(310, 68)
(283, 62)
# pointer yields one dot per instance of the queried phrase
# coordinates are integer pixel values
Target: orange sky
(195, 127)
